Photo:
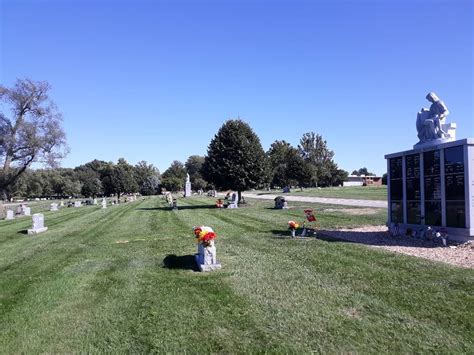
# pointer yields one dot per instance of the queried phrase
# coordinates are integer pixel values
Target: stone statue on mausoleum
(430, 123)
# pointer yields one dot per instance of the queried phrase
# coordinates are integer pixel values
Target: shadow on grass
(367, 238)
(286, 234)
(196, 207)
(23, 231)
(184, 262)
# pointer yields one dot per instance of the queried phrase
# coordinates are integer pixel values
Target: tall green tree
(176, 170)
(30, 130)
(278, 158)
(235, 158)
(194, 165)
(151, 186)
(313, 148)
(147, 177)
(119, 178)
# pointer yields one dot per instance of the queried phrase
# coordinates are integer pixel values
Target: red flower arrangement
(204, 235)
(309, 215)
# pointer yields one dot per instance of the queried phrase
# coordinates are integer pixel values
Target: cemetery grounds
(96, 282)
(346, 192)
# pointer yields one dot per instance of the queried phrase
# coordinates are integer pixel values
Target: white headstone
(53, 207)
(61, 204)
(104, 203)
(77, 204)
(234, 202)
(26, 211)
(94, 201)
(206, 257)
(38, 224)
(10, 214)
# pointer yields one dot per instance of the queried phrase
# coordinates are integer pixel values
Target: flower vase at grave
(292, 225)
(205, 257)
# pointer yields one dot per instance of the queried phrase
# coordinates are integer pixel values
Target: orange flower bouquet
(292, 225)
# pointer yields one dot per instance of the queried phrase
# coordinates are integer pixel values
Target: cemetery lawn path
(96, 282)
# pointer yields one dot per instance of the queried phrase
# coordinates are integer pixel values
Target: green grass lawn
(80, 288)
(351, 192)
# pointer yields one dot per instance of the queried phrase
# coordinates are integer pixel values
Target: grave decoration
(310, 217)
(206, 255)
(292, 226)
(394, 229)
(219, 203)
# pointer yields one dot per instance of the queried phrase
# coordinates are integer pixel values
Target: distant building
(354, 180)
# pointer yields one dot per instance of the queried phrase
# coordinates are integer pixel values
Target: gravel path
(378, 237)
(326, 200)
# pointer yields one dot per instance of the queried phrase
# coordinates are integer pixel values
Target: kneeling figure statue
(430, 123)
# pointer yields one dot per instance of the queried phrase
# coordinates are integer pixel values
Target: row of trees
(96, 178)
(30, 131)
(236, 160)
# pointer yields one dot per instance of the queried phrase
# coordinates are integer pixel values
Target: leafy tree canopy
(235, 158)
(30, 130)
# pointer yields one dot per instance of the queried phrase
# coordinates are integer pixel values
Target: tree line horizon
(235, 160)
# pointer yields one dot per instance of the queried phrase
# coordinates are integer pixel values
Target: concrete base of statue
(206, 257)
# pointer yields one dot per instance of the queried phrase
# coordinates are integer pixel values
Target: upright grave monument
(432, 185)
(205, 257)
(38, 224)
(234, 203)
(187, 190)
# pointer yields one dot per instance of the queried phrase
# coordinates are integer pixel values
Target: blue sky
(154, 80)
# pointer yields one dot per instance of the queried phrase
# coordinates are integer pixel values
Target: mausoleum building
(433, 185)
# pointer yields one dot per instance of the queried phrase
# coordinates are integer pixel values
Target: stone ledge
(211, 267)
(37, 231)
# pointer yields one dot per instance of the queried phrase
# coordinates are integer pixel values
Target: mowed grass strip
(95, 282)
(348, 192)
